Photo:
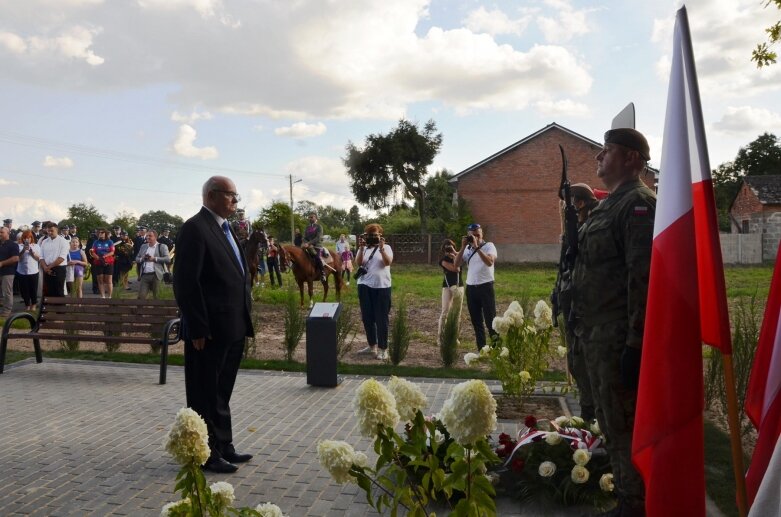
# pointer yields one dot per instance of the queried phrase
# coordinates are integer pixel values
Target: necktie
(227, 232)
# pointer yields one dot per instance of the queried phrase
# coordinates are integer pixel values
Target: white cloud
(184, 145)
(495, 22)
(73, 43)
(564, 107)
(22, 209)
(192, 117)
(206, 8)
(747, 120)
(566, 24)
(325, 181)
(58, 163)
(301, 130)
(724, 32)
(7, 183)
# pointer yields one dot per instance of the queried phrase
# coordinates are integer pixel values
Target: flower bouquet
(560, 461)
(440, 459)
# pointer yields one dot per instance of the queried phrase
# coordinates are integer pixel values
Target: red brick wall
(746, 203)
(515, 196)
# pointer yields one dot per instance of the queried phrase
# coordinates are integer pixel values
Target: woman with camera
(374, 288)
(452, 283)
(28, 270)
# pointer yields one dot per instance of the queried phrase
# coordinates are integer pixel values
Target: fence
(414, 248)
(741, 248)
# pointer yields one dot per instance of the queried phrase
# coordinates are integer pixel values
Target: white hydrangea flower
(547, 469)
(561, 351)
(525, 376)
(408, 397)
(374, 405)
(501, 325)
(223, 493)
(188, 439)
(470, 358)
(337, 458)
(531, 329)
(469, 414)
(514, 314)
(176, 508)
(552, 438)
(505, 352)
(581, 457)
(269, 510)
(543, 315)
(606, 483)
(579, 474)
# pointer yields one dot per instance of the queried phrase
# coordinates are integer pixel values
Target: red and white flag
(763, 403)
(687, 303)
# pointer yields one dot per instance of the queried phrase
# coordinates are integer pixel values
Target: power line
(32, 141)
(96, 184)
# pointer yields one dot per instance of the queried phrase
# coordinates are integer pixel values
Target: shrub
(346, 330)
(448, 336)
(70, 345)
(400, 334)
(294, 323)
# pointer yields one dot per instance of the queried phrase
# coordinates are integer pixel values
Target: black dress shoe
(235, 457)
(219, 466)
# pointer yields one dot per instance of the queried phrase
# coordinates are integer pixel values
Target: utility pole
(292, 214)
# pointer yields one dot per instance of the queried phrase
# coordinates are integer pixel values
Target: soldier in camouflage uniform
(585, 201)
(611, 286)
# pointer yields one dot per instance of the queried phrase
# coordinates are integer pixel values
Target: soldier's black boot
(587, 413)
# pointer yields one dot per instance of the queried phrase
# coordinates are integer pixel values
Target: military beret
(8, 221)
(582, 191)
(630, 138)
(36, 223)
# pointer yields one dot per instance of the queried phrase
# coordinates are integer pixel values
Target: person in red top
(102, 253)
(272, 261)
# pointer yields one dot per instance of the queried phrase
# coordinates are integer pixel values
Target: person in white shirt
(479, 257)
(54, 256)
(152, 258)
(374, 289)
(28, 270)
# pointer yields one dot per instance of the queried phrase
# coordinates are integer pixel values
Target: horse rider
(241, 227)
(313, 234)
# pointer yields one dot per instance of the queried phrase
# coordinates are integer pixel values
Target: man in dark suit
(212, 289)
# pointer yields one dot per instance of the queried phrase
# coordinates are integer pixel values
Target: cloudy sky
(131, 104)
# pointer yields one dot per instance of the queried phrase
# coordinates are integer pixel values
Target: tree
(387, 163)
(125, 220)
(86, 217)
(445, 216)
(275, 219)
(762, 54)
(160, 220)
(354, 220)
(760, 157)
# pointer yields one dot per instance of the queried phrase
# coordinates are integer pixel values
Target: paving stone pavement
(86, 438)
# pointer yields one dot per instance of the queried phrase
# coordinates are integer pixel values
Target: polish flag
(687, 303)
(763, 405)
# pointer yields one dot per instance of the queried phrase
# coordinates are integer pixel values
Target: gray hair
(211, 184)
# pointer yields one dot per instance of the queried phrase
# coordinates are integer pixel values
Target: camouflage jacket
(614, 261)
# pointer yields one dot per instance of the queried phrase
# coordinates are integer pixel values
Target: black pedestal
(321, 345)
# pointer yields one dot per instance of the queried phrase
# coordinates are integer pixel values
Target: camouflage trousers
(615, 405)
(576, 363)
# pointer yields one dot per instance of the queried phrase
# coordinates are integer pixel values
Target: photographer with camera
(479, 257)
(452, 283)
(374, 288)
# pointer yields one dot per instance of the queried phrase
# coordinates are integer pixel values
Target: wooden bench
(111, 320)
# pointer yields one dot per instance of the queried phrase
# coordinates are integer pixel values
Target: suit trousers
(148, 282)
(209, 377)
(54, 281)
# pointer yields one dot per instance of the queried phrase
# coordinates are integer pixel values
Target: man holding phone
(479, 257)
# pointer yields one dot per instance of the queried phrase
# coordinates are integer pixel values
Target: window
(745, 227)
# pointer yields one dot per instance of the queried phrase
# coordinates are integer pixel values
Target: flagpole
(734, 433)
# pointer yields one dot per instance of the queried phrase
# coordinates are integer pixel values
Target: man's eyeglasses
(228, 193)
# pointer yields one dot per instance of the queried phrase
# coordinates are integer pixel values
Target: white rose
(577, 421)
(553, 438)
(581, 457)
(547, 469)
(562, 421)
(606, 483)
(595, 430)
(579, 474)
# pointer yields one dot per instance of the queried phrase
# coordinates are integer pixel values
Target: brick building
(513, 194)
(757, 209)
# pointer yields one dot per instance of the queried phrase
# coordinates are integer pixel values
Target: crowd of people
(44, 258)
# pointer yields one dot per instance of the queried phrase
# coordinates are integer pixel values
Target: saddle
(326, 257)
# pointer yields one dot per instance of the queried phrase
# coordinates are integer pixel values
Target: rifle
(569, 247)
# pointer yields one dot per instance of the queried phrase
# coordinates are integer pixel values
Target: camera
(371, 239)
(470, 239)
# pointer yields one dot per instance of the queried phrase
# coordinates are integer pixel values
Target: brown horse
(256, 239)
(304, 270)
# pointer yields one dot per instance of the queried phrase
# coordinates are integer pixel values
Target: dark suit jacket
(213, 294)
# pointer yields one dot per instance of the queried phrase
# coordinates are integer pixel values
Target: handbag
(167, 277)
